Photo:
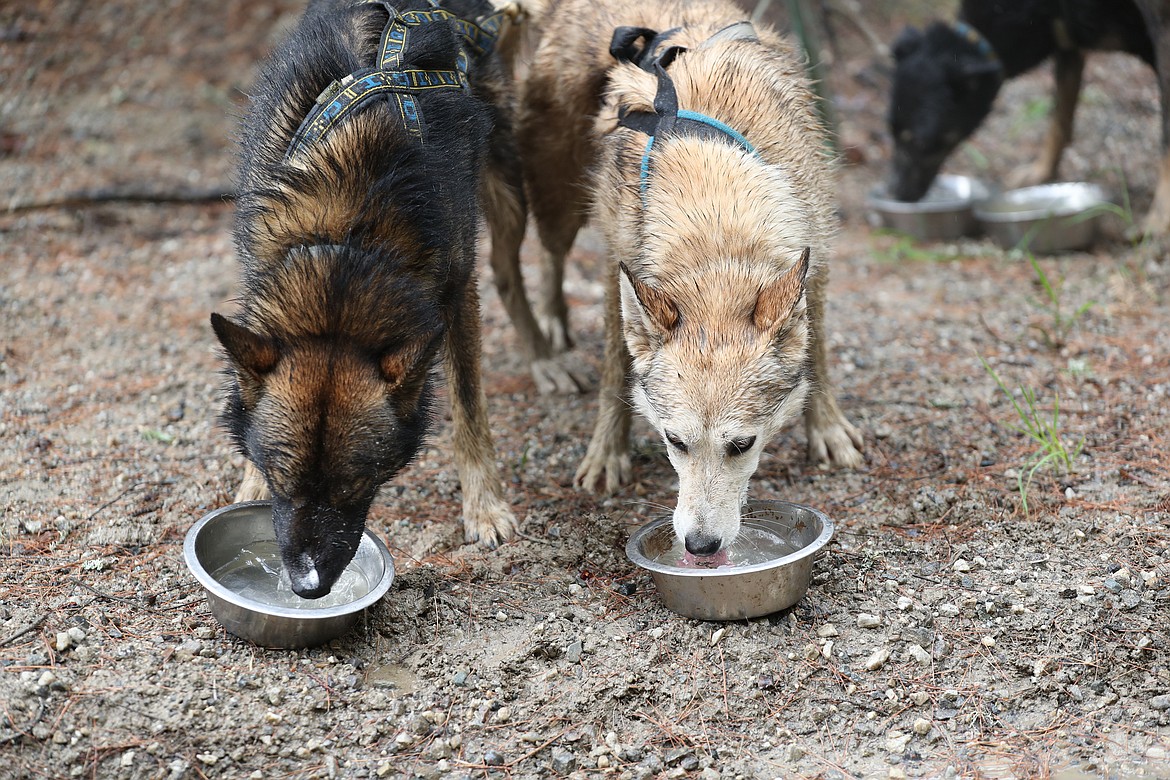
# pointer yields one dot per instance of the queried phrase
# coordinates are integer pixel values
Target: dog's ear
(397, 364)
(778, 299)
(252, 353)
(906, 43)
(649, 314)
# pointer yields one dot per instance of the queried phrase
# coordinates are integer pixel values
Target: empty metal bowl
(217, 539)
(947, 211)
(737, 592)
(1046, 218)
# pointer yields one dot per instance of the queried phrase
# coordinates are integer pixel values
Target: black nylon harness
(389, 79)
(667, 119)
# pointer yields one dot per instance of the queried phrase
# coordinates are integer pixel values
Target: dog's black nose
(701, 544)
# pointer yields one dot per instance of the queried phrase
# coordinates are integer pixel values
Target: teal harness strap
(389, 79)
(668, 120)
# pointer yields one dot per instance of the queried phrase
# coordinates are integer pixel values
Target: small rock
(1129, 598)
(827, 649)
(206, 758)
(204, 632)
(896, 742)
(493, 758)
(76, 634)
(988, 641)
(827, 630)
(865, 620)
(503, 714)
(689, 763)
(811, 652)
(459, 678)
(919, 654)
(189, 649)
(1156, 753)
(384, 769)
(64, 642)
(1161, 702)
(905, 604)
(877, 658)
(920, 698)
(961, 566)
(563, 761)
(656, 633)
(501, 616)
(950, 610)
(573, 651)
(793, 754)
(274, 695)
(575, 590)
(922, 726)
(710, 773)
(717, 635)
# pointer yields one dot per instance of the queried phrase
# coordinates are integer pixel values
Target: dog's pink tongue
(715, 561)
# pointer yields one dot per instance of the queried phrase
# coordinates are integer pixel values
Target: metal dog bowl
(1045, 218)
(798, 534)
(947, 211)
(217, 540)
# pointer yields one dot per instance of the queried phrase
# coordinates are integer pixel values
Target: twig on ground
(83, 198)
(32, 627)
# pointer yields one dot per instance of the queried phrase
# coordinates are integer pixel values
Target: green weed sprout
(1044, 433)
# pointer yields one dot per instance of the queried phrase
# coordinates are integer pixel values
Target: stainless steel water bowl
(737, 592)
(1046, 218)
(218, 538)
(947, 211)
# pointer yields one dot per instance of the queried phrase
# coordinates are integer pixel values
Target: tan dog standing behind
(717, 251)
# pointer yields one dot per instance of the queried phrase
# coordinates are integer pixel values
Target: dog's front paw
(604, 470)
(253, 488)
(839, 444)
(489, 521)
(553, 378)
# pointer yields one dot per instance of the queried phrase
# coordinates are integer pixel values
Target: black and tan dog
(694, 140)
(948, 75)
(356, 229)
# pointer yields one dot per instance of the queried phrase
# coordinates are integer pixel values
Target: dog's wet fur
(716, 283)
(358, 271)
(945, 82)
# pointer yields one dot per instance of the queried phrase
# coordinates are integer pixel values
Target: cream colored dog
(697, 146)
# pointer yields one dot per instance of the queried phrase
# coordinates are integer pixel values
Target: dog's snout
(702, 544)
(306, 582)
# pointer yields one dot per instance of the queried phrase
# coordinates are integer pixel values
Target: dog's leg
(831, 438)
(253, 488)
(555, 177)
(1157, 221)
(606, 465)
(503, 199)
(486, 516)
(1070, 66)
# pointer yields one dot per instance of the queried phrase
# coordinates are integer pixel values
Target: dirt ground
(947, 633)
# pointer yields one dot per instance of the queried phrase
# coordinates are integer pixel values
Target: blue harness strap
(390, 79)
(667, 119)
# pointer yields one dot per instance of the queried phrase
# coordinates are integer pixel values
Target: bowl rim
(880, 202)
(212, 585)
(635, 554)
(1096, 193)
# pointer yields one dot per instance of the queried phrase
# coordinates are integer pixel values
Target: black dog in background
(946, 79)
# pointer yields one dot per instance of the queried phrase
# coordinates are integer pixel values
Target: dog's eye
(676, 442)
(740, 446)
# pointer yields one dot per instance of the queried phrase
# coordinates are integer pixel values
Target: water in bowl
(753, 545)
(256, 573)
